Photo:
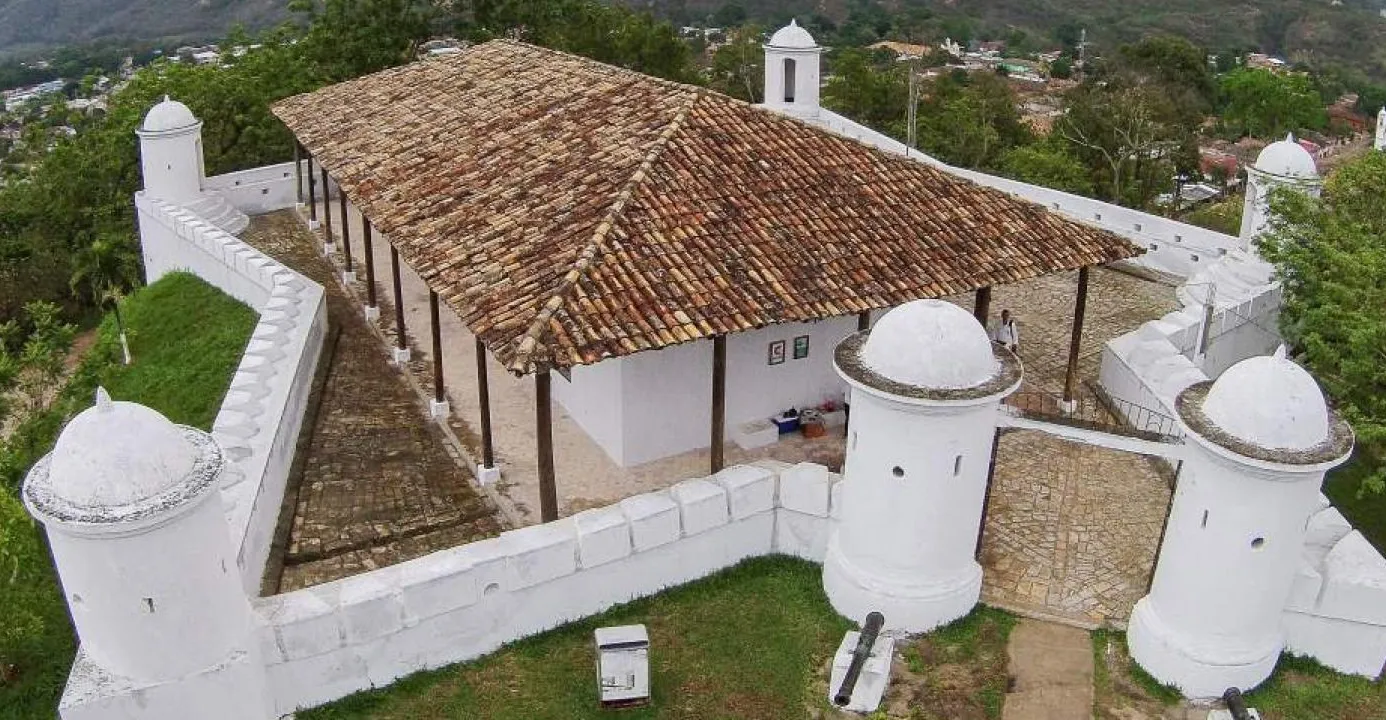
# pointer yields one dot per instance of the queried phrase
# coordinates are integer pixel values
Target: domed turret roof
(1269, 402)
(168, 115)
(792, 37)
(120, 462)
(1287, 158)
(930, 344)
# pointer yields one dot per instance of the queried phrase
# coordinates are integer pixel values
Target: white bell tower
(1284, 163)
(926, 389)
(1258, 442)
(792, 60)
(132, 506)
(171, 153)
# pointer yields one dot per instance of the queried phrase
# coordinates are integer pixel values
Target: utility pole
(912, 111)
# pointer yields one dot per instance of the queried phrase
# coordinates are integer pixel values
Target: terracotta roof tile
(570, 211)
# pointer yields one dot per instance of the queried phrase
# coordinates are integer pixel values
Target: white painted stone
(750, 490)
(603, 536)
(438, 410)
(372, 314)
(1347, 646)
(800, 535)
(1354, 583)
(539, 553)
(487, 476)
(437, 583)
(348, 276)
(399, 355)
(702, 505)
(372, 606)
(874, 677)
(305, 624)
(653, 518)
(805, 488)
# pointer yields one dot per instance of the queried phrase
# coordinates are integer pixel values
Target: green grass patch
(187, 338)
(744, 643)
(1302, 689)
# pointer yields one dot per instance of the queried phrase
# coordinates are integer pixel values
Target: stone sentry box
(623, 666)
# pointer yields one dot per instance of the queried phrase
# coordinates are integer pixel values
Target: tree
(1048, 165)
(1330, 263)
(729, 15)
(1061, 69)
(871, 88)
(1177, 65)
(1267, 105)
(738, 67)
(1128, 135)
(970, 120)
(350, 38)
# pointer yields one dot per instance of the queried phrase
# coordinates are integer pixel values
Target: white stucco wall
(652, 405)
(259, 190)
(261, 416)
(453, 605)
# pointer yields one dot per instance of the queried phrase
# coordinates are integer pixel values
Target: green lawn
(186, 338)
(744, 644)
(1365, 510)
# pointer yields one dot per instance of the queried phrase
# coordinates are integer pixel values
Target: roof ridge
(530, 341)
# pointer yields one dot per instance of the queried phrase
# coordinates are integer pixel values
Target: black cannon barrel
(869, 630)
(1235, 704)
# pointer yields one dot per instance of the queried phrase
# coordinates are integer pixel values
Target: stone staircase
(217, 210)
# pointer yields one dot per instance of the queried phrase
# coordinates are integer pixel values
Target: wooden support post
(864, 321)
(346, 230)
(1076, 342)
(438, 394)
(370, 262)
(488, 453)
(298, 171)
(719, 402)
(548, 492)
(326, 208)
(986, 498)
(312, 192)
(981, 305)
(400, 340)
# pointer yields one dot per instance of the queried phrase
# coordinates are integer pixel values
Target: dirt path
(1052, 669)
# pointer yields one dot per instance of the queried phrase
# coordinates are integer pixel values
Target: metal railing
(1097, 411)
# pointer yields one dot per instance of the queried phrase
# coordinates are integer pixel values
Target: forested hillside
(36, 24)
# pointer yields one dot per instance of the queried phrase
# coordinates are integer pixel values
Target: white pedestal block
(400, 355)
(911, 603)
(1200, 668)
(348, 277)
(438, 410)
(372, 313)
(875, 673)
(487, 475)
(314, 224)
(329, 248)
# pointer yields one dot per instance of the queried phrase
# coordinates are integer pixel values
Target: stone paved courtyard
(378, 484)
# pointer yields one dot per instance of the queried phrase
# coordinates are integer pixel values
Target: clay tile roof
(571, 211)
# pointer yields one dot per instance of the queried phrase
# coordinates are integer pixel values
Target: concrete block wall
(331, 640)
(1337, 608)
(260, 418)
(259, 190)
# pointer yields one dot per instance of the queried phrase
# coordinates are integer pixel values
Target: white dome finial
(103, 400)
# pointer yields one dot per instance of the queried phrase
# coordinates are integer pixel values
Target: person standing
(1007, 333)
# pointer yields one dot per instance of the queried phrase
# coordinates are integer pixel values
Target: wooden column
(719, 402)
(981, 306)
(298, 171)
(401, 342)
(326, 208)
(488, 453)
(346, 230)
(548, 492)
(864, 321)
(312, 191)
(1076, 342)
(986, 497)
(438, 394)
(370, 262)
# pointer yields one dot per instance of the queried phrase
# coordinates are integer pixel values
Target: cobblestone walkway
(379, 484)
(1072, 529)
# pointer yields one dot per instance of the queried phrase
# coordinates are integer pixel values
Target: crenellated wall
(365, 631)
(263, 411)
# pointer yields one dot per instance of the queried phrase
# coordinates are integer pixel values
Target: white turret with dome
(792, 60)
(171, 153)
(1258, 442)
(1381, 128)
(926, 386)
(1284, 163)
(132, 506)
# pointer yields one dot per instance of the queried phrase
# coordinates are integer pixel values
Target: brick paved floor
(379, 484)
(1072, 529)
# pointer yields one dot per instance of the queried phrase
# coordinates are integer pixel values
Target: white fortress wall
(331, 640)
(259, 190)
(260, 418)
